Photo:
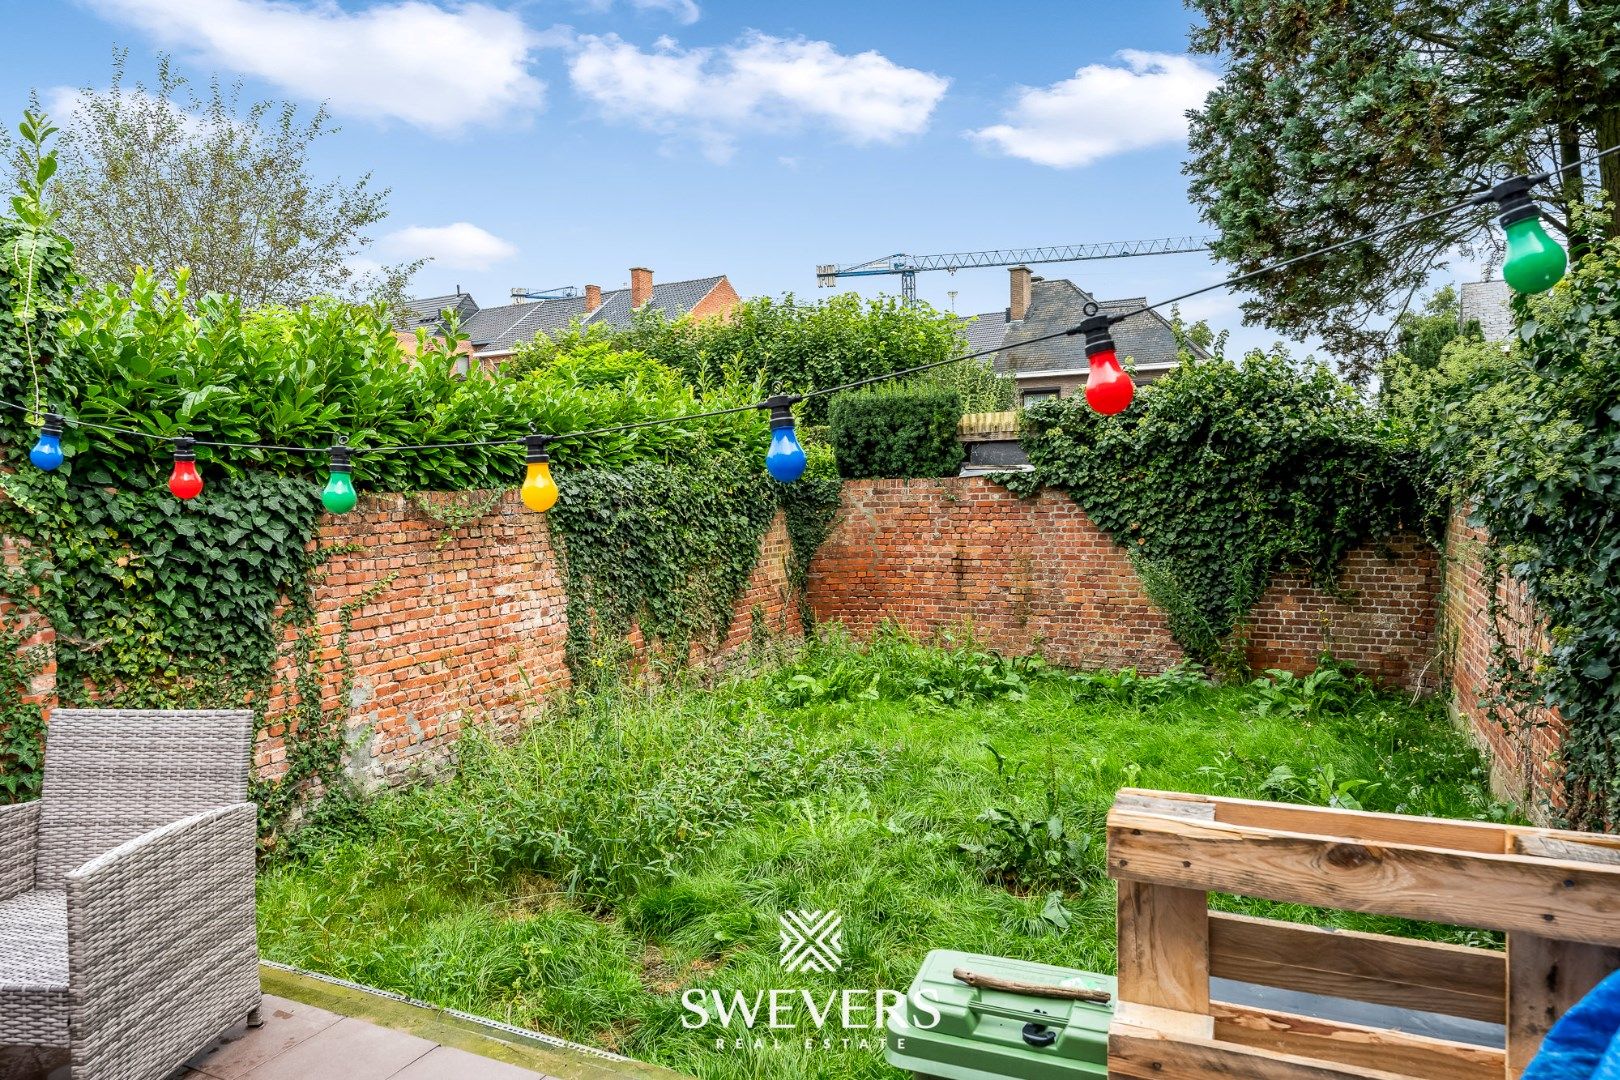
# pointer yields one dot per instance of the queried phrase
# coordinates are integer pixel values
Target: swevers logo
(812, 941)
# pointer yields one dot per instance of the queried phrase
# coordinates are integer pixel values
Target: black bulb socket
(781, 406)
(535, 449)
(340, 458)
(185, 449)
(1513, 201)
(52, 424)
(1098, 339)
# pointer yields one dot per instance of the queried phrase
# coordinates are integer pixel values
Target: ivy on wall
(1530, 437)
(1221, 474)
(666, 547)
(162, 603)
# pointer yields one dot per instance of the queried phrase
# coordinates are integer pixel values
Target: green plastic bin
(987, 1034)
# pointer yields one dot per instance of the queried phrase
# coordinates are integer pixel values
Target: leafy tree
(1422, 336)
(164, 179)
(1334, 119)
(791, 347)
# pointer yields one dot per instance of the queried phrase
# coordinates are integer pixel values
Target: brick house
(1058, 368)
(495, 331)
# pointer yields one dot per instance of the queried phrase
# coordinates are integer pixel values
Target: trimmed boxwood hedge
(896, 432)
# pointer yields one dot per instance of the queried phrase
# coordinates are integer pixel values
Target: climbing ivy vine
(1529, 437)
(1221, 474)
(668, 547)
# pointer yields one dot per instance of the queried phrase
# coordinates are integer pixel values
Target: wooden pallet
(1555, 894)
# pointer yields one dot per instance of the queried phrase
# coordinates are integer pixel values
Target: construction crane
(909, 266)
(561, 292)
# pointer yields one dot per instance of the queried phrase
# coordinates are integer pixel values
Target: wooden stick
(1046, 990)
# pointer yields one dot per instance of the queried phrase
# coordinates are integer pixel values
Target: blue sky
(560, 142)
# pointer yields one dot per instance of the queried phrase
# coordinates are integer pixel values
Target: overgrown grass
(640, 844)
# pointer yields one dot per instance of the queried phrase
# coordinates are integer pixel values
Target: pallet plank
(1575, 901)
(1452, 979)
(1546, 977)
(1355, 1044)
(1164, 947)
(1143, 1054)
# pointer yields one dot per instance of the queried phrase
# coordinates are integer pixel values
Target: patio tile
(448, 1063)
(348, 1050)
(242, 1049)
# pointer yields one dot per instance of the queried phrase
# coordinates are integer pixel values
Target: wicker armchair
(126, 892)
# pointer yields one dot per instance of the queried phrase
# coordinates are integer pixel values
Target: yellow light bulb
(539, 489)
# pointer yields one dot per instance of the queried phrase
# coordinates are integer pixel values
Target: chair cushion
(34, 969)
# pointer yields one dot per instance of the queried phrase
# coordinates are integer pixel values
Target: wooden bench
(1555, 894)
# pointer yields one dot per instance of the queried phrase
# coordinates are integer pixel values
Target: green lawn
(640, 844)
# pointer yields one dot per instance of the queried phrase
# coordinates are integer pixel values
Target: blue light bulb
(47, 452)
(785, 460)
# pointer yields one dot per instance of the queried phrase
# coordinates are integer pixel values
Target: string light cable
(1534, 263)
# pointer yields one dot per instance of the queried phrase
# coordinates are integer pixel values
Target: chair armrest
(162, 945)
(19, 839)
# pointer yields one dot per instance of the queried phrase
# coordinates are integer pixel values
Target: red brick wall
(37, 633)
(1523, 742)
(1035, 573)
(468, 629)
(1383, 619)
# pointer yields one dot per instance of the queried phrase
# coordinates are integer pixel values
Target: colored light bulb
(47, 452)
(539, 490)
(339, 495)
(785, 459)
(184, 482)
(1108, 389)
(1535, 261)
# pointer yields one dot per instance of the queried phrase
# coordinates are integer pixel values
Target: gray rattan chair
(126, 892)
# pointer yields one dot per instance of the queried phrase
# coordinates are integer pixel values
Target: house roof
(425, 311)
(498, 329)
(1055, 306)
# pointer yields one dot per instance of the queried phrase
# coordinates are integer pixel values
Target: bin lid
(981, 1033)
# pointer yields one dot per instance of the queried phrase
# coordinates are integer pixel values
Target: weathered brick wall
(453, 627)
(1523, 742)
(1382, 619)
(37, 634)
(1032, 574)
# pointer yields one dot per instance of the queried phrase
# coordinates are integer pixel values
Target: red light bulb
(184, 482)
(1108, 389)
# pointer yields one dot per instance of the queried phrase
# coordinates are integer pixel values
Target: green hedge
(897, 432)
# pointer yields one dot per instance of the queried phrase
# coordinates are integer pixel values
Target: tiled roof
(426, 310)
(1056, 306)
(498, 329)
(984, 332)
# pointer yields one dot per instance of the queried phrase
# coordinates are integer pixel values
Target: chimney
(1018, 307)
(593, 298)
(640, 286)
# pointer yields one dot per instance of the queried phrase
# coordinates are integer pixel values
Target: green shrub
(1526, 434)
(790, 347)
(896, 431)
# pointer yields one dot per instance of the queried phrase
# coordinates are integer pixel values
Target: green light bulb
(339, 496)
(1535, 261)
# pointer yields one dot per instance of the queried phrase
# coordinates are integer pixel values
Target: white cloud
(437, 68)
(458, 246)
(759, 83)
(1103, 110)
(685, 12)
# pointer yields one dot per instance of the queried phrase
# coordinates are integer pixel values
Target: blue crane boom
(909, 266)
